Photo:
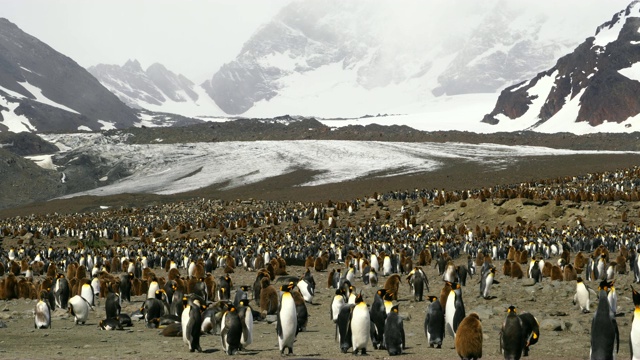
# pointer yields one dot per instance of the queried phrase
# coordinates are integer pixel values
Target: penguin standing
(336, 304)
(612, 295)
(42, 318)
(79, 308)
(582, 296)
(193, 329)
(605, 338)
(231, 331)
(454, 311)
(61, 291)
(512, 335)
(531, 330)
(241, 294)
(418, 281)
(394, 338)
(154, 309)
(486, 281)
(450, 273)
(112, 304)
(378, 316)
(634, 335)
(343, 327)
(468, 338)
(373, 277)
(434, 323)
(245, 313)
(224, 287)
(287, 323)
(360, 326)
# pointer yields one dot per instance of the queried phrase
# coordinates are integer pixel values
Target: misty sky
(195, 37)
(192, 37)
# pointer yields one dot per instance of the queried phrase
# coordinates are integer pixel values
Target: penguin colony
(119, 254)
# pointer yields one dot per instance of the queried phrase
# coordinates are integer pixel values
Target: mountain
(44, 90)
(339, 58)
(598, 83)
(156, 89)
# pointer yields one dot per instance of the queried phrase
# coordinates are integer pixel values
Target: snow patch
(44, 161)
(632, 72)
(37, 93)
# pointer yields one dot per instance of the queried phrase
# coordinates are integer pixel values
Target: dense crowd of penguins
(265, 237)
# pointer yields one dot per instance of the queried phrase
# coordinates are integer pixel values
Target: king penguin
(79, 308)
(42, 318)
(582, 296)
(336, 304)
(512, 335)
(193, 329)
(231, 331)
(307, 289)
(287, 323)
(378, 316)
(360, 326)
(531, 328)
(486, 281)
(394, 338)
(454, 311)
(245, 313)
(468, 337)
(634, 335)
(605, 338)
(434, 323)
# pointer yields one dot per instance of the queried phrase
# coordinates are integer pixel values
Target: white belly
(360, 326)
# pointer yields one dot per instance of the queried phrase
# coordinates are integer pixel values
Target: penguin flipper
(496, 282)
(615, 325)
(279, 326)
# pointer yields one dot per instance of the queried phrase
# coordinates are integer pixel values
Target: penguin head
(232, 308)
(359, 298)
(579, 279)
(381, 292)
(388, 296)
(244, 302)
(511, 310)
(604, 285)
(395, 308)
(432, 298)
(636, 298)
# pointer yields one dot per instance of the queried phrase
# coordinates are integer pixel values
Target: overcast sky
(192, 37)
(195, 37)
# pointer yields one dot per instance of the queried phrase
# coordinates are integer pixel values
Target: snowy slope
(171, 168)
(594, 88)
(336, 59)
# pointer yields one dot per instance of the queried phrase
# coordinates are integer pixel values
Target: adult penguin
(110, 324)
(418, 281)
(486, 282)
(125, 286)
(394, 338)
(61, 291)
(336, 304)
(193, 328)
(531, 330)
(434, 323)
(343, 327)
(360, 326)
(42, 313)
(231, 331)
(582, 296)
(153, 309)
(287, 323)
(462, 271)
(378, 316)
(241, 294)
(245, 313)
(454, 311)
(634, 335)
(224, 287)
(612, 295)
(79, 308)
(112, 306)
(86, 291)
(153, 288)
(468, 337)
(200, 289)
(605, 338)
(512, 335)
(307, 290)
